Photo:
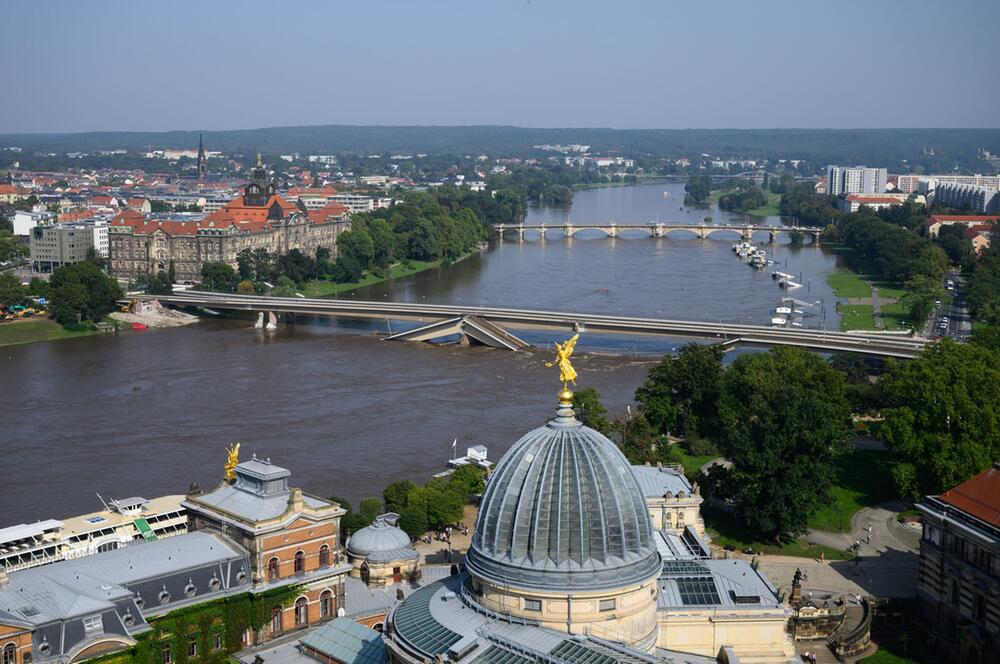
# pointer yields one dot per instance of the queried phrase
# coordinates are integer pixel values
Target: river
(148, 413)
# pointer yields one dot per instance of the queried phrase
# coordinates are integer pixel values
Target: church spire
(202, 165)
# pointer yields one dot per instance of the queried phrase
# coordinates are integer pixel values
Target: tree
(95, 259)
(987, 336)
(358, 245)
(590, 410)
(82, 291)
(782, 414)
(638, 440)
(680, 392)
(219, 277)
(370, 508)
(69, 303)
(284, 288)
(942, 416)
(922, 292)
(467, 481)
(395, 495)
(11, 248)
(246, 287)
(160, 284)
(698, 188)
(11, 290)
(413, 521)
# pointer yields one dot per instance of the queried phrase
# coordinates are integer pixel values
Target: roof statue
(567, 374)
(260, 162)
(231, 461)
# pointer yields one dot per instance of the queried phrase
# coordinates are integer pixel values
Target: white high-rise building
(855, 180)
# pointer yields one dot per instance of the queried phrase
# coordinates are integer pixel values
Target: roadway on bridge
(819, 340)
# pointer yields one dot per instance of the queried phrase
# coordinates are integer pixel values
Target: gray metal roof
(83, 586)
(440, 621)
(362, 600)
(381, 541)
(655, 482)
(262, 469)
(346, 641)
(720, 584)
(250, 506)
(563, 510)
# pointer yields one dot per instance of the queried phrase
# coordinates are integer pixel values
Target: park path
(886, 532)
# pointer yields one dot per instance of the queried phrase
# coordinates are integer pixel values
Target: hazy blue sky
(75, 66)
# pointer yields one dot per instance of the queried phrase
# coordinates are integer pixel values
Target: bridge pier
(772, 236)
(747, 233)
(568, 230)
(656, 231)
(611, 231)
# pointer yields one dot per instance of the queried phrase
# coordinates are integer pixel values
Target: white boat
(779, 321)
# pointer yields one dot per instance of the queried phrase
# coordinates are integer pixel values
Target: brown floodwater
(147, 413)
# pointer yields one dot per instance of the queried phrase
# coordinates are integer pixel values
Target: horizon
(482, 126)
(544, 64)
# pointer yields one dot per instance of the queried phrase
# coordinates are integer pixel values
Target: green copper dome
(563, 510)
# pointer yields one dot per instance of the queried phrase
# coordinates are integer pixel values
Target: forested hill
(886, 147)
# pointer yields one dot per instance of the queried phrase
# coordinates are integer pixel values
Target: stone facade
(958, 583)
(259, 219)
(292, 539)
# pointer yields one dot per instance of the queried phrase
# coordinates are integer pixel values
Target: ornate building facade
(958, 583)
(142, 245)
(292, 538)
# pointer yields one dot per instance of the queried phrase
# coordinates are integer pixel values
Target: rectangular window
(607, 605)
(93, 625)
(192, 648)
(166, 654)
(532, 605)
(218, 641)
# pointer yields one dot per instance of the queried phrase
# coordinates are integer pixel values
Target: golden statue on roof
(234, 458)
(567, 374)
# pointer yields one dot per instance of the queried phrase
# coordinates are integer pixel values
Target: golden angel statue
(233, 459)
(567, 374)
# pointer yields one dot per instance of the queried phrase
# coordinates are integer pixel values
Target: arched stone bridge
(657, 230)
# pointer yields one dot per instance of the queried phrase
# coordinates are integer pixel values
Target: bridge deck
(882, 345)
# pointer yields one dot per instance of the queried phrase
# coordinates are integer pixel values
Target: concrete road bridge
(491, 325)
(658, 230)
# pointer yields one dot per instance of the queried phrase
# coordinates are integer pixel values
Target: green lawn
(847, 284)
(890, 652)
(856, 316)
(692, 464)
(328, 288)
(896, 316)
(725, 529)
(770, 209)
(38, 329)
(863, 479)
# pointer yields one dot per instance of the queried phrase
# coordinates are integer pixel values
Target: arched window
(10, 654)
(272, 569)
(324, 556)
(325, 604)
(300, 562)
(301, 612)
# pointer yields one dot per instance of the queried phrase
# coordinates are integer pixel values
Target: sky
(219, 64)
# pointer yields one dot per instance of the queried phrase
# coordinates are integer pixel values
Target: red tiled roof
(873, 199)
(8, 189)
(76, 215)
(945, 218)
(978, 497)
(322, 215)
(237, 210)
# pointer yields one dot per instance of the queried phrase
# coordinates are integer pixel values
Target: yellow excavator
(128, 307)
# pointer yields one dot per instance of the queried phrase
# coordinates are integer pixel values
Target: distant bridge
(488, 324)
(658, 230)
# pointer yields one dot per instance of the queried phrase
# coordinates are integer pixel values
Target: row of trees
(800, 201)
(82, 293)
(782, 417)
(440, 502)
(743, 197)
